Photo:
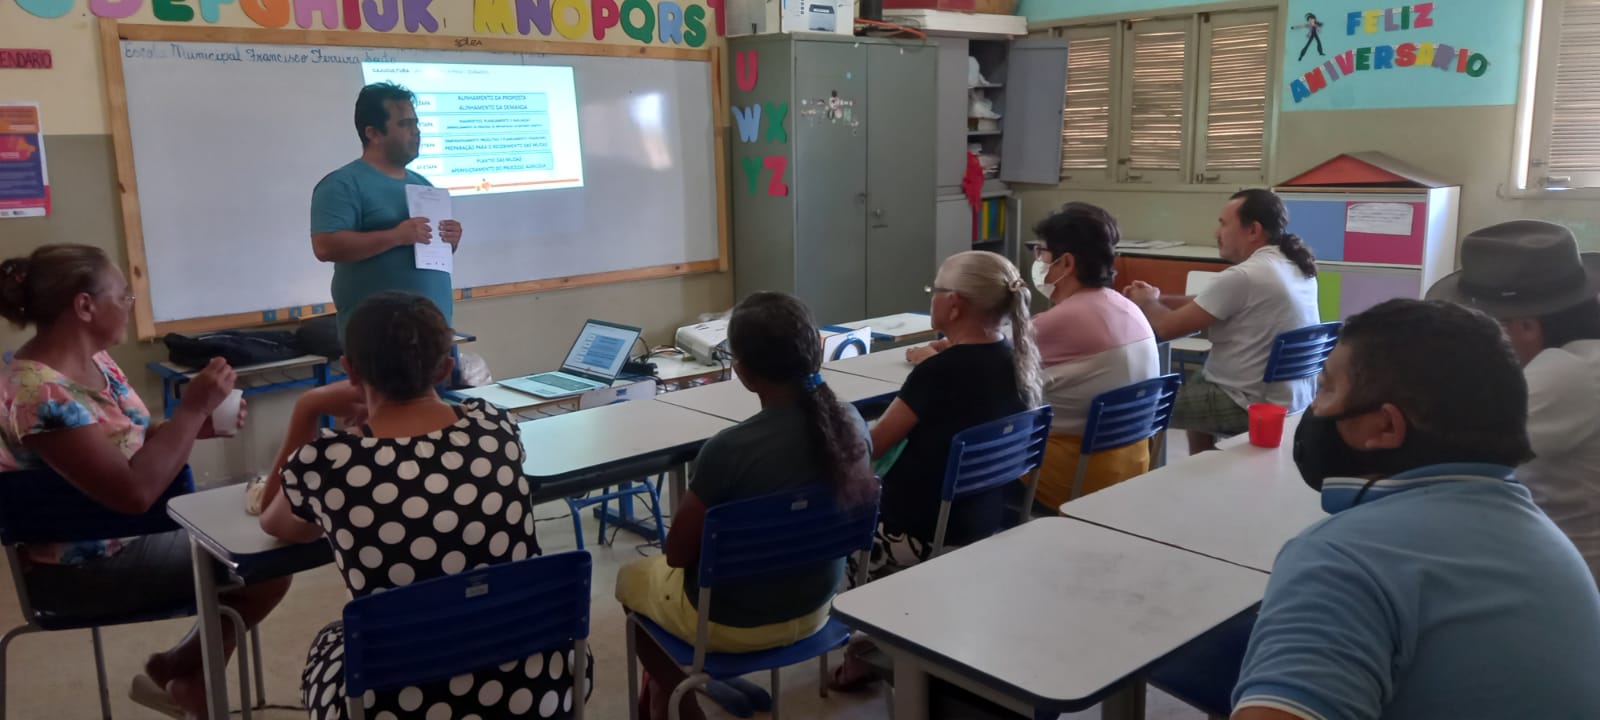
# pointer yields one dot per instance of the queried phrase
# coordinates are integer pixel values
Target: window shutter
(1086, 118)
(1574, 150)
(1236, 56)
(1155, 70)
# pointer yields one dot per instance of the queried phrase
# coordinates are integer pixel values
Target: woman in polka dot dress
(422, 489)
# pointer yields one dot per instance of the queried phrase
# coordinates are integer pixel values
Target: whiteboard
(228, 140)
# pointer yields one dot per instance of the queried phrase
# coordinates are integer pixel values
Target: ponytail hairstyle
(36, 289)
(1265, 207)
(773, 338)
(992, 284)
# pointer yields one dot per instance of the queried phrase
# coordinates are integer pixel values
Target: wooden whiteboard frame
(112, 33)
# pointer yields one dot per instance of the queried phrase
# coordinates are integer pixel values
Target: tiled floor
(51, 675)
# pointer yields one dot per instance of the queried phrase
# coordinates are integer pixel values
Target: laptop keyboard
(561, 382)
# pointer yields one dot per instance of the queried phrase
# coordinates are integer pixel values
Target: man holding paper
(376, 221)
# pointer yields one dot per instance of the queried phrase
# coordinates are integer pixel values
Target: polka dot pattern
(403, 510)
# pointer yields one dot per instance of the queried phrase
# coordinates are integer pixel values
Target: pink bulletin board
(1385, 231)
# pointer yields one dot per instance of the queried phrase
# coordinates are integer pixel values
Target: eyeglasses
(931, 289)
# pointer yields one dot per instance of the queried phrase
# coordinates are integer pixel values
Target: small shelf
(987, 86)
(982, 133)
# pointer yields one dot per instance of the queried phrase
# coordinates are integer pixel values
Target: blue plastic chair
(754, 538)
(624, 493)
(1127, 415)
(1299, 354)
(457, 624)
(984, 457)
(1203, 671)
(41, 507)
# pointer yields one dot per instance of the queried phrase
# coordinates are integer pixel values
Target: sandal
(145, 692)
(854, 674)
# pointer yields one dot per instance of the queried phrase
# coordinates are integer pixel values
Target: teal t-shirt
(768, 453)
(361, 198)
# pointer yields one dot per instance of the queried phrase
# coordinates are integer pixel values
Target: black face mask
(1321, 453)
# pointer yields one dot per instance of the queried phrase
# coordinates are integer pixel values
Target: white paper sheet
(434, 204)
(1379, 218)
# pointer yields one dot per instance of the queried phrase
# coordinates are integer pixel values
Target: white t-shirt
(1564, 427)
(1254, 302)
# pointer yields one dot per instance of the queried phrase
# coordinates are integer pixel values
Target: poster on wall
(24, 184)
(1362, 54)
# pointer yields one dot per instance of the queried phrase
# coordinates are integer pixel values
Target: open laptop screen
(601, 350)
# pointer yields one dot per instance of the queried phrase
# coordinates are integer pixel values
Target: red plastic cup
(1266, 424)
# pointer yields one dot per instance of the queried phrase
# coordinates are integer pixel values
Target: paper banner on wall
(1362, 54)
(24, 179)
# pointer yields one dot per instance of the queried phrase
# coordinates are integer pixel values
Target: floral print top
(34, 398)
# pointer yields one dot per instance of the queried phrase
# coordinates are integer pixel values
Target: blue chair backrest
(778, 533)
(995, 453)
(456, 624)
(1130, 414)
(1300, 353)
(40, 506)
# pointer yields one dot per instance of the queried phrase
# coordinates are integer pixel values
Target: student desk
(731, 401)
(1052, 616)
(1239, 505)
(323, 371)
(911, 327)
(574, 453)
(220, 528)
(889, 366)
(678, 370)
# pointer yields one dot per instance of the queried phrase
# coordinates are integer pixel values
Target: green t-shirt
(768, 453)
(359, 197)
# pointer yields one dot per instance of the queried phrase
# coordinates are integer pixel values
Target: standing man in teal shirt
(359, 217)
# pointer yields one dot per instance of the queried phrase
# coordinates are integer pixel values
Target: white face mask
(1040, 270)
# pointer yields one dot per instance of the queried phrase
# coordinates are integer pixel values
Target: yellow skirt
(1105, 468)
(654, 589)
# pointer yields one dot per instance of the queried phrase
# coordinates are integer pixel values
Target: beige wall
(517, 334)
(1469, 145)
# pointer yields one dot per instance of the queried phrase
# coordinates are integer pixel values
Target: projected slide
(492, 128)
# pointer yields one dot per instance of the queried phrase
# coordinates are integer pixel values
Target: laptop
(593, 362)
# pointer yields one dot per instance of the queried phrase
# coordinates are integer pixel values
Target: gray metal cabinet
(853, 234)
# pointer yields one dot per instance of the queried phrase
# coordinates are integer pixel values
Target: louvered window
(1086, 119)
(1169, 100)
(1155, 71)
(1235, 56)
(1566, 137)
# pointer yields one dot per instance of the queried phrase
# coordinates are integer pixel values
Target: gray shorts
(152, 575)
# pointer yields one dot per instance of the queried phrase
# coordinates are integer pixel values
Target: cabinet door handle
(877, 213)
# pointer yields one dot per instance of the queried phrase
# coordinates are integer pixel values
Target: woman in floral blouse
(65, 404)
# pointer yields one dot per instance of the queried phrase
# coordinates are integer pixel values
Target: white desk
(895, 329)
(1182, 252)
(887, 365)
(1240, 504)
(682, 368)
(220, 528)
(1054, 616)
(731, 401)
(577, 452)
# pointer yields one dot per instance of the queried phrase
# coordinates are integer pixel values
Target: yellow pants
(654, 589)
(1105, 468)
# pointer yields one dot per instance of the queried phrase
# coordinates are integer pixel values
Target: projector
(706, 342)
